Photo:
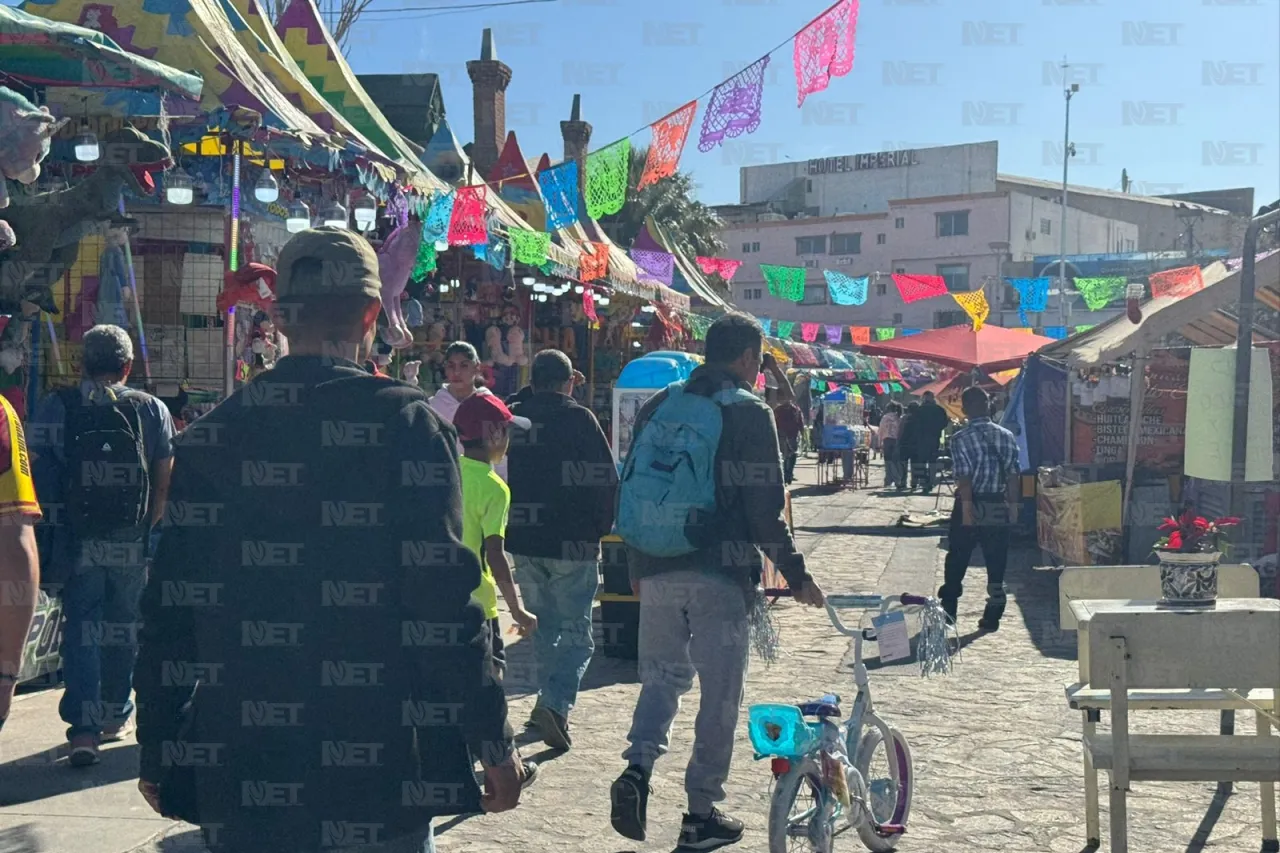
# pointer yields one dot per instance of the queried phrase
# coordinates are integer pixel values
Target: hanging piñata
(734, 108)
(589, 307)
(1033, 295)
(975, 305)
(607, 171)
(809, 331)
(1098, 293)
(655, 265)
(784, 282)
(594, 263)
(530, 247)
(669, 136)
(467, 223)
(436, 226)
(824, 48)
(846, 290)
(559, 186)
(916, 287)
(835, 334)
(1178, 283)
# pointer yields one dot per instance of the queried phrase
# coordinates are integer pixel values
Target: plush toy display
(492, 346)
(413, 314)
(25, 134)
(395, 263)
(515, 346)
(252, 284)
(409, 372)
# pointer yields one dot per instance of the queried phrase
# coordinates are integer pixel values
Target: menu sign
(1100, 433)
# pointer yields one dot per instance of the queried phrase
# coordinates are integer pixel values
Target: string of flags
(860, 335)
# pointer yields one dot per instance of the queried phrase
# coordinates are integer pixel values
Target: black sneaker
(709, 832)
(529, 774)
(630, 799)
(988, 626)
(553, 727)
(949, 607)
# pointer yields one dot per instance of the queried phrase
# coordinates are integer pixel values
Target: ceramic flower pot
(1189, 579)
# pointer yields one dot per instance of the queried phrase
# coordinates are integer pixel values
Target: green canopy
(49, 53)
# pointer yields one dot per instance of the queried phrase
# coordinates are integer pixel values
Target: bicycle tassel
(935, 642)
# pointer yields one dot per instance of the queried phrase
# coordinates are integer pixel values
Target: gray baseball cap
(348, 265)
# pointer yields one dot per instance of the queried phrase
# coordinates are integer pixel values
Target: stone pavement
(997, 752)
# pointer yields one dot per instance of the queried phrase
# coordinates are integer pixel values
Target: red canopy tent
(993, 348)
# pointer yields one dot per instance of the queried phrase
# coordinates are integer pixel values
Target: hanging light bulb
(366, 213)
(635, 344)
(444, 287)
(528, 281)
(636, 324)
(648, 309)
(267, 189)
(334, 216)
(299, 218)
(578, 289)
(603, 300)
(542, 297)
(539, 287)
(86, 144)
(178, 188)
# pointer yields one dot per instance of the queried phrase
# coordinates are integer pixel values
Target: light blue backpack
(668, 487)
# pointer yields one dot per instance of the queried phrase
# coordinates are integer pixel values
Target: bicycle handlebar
(872, 601)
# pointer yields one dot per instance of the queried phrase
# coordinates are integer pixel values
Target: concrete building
(937, 211)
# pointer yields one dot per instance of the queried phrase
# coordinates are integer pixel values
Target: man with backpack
(103, 456)
(701, 497)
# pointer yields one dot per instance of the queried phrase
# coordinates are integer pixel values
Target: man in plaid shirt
(988, 488)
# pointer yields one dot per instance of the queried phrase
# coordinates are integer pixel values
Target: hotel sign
(858, 162)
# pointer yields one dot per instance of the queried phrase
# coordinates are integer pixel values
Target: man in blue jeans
(562, 478)
(102, 517)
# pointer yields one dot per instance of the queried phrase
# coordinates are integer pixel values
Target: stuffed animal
(25, 134)
(253, 284)
(413, 314)
(434, 347)
(409, 372)
(395, 263)
(493, 353)
(515, 346)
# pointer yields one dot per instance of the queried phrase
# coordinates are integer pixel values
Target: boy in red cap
(483, 422)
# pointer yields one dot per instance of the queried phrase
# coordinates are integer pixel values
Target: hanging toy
(1133, 302)
(413, 313)
(409, 372)
(395, 263)
(252, 284)
(493, 353)
(515, 346)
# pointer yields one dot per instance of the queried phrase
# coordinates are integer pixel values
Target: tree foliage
(693, 227)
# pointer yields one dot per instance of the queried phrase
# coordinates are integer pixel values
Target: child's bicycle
(831, 775)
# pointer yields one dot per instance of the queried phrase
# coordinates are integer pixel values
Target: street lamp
(1068, 151)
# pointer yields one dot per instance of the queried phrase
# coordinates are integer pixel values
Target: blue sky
(1185, 94)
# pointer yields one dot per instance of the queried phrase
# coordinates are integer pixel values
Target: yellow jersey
(17, 492)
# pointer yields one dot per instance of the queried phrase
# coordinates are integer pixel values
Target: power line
(450, 10)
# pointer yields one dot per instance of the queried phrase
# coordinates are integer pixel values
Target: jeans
(892, 467)
(561, 593)
(691, 623)
(99, 646)
(789, 466)
(991, 530)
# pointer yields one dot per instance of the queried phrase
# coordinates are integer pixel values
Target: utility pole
(1068, 151)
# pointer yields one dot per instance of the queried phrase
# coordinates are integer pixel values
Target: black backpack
(107, 484)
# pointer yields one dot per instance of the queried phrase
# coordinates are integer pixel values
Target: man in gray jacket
(694, 609)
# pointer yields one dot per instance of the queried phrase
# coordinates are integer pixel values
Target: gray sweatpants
(691, 623)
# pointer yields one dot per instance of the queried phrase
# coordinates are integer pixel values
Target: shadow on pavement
(1035, 595)
(42, 775)
(888, 530)
(20, 839)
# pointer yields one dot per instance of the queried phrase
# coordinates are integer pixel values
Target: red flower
(1201, 523)
(1170, 523)
(1175, 540)
(1228, 521)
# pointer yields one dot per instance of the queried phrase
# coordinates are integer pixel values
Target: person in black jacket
(312, 582)
(562, 478)
(931, 422)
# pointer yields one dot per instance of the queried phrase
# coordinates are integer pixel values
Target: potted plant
(1189, 552)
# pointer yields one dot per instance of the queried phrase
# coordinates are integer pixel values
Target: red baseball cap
(481, 412)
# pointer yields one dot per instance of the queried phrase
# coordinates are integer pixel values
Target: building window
(1046, 225)
(811, 245)
(815, 294)
(943, 319)
(897, 319)
(954, 223)
(882, 289)
(755, 247)
(880, 239)
(753, 293)
(808, 185)
(900, 222)
(900, 270)
(846, 244)
(813, 211)
(750, 247)
(956, 276)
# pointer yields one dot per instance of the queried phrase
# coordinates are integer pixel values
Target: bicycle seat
(827, 706)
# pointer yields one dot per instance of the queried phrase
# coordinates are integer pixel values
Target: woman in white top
(462, 379)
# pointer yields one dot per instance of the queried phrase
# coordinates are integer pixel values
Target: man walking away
(890, 425)
(563, 488)
(104, 454)
(932, 422)
(988, 487)
(909, 448)
(19, 563)
(708, 445)
(313, 582)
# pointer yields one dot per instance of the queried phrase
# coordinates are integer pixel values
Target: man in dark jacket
(694, 609)
(312, 582)
(563, 479)
(931, 422)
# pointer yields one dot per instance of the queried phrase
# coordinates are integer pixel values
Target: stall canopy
(49, 53)
(991, 348)
(1205, 318)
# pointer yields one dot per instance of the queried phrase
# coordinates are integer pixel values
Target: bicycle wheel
(797, 801)
(889, 778)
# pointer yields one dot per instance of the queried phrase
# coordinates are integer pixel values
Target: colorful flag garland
(824, 49)
(913, 288)
(559, 186)
(784, 329)
(467, 219)
(723, 267)
(846, 290)
(1178, 283)
(1033, 295)
(835, 334)
(809, 332)
(784, 282)
(655, 265)
(607, 172)
(975, 305)
(530, 247)
(734, 108)
(860, 335)
(669, 136)
(1100, 292)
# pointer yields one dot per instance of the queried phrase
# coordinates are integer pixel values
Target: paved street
(996, 750)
